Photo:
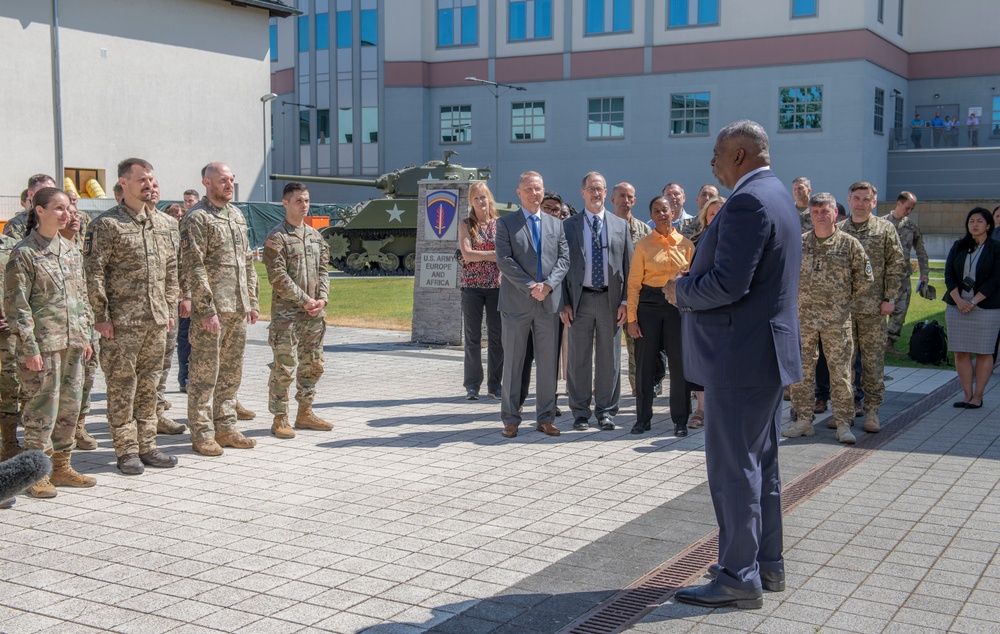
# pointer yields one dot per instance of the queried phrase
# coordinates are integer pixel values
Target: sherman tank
(379, 236)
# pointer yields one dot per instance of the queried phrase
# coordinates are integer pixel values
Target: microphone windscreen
(21, 471)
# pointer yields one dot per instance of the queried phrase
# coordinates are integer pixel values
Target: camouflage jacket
(216, 261)
(131, 267)
(175, 240)
(878, 237)
(45, 298)
(690, 227)
(16, 227)
(834, 274)
(637, 229)
(7, 245)
(911, 238)
(297, 267)
(806, 219)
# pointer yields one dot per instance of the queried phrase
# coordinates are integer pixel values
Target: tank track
(372, 234)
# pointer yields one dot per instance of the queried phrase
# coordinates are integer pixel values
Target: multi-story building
(638, 89)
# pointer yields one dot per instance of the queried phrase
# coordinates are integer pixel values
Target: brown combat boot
(844, 434)
(235, 439)
(871, 421)
(63, 474)
(281, 428)
(42, 489)
(206, 446)
(84, 440)
(168, 427)
(306, 418)
(798, 428)
(243, 413)
(8, 432)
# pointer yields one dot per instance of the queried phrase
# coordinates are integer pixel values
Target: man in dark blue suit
(741, 341)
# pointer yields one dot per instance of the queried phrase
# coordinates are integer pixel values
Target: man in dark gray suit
(741, 341)
(533, 258)
(600, 249)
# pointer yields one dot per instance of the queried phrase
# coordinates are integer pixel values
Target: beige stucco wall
(177, 82)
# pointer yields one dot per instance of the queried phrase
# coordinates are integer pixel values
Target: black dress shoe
(681, 430)
(581, 424)
(607, 424)
(716, 595)
(770, 581)
(497, 393)
(638, 428)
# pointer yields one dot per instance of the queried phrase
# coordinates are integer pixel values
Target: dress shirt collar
(747, 176)
(528, 215)
(591, 216)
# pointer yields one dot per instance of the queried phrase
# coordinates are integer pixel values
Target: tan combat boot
(235, 439)
(243, 413)
(42, 489)
(871, 421)
(844, 434)
(84, 440)
(8, 432)
(281, 428)
(63, 474)
(798, 428)
(307, 419)
(205, 445)
(168, 427)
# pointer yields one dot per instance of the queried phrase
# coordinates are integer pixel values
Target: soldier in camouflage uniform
(623, 199)
(801, 189)
(45, 303)
(296, 258)
(163, 424)
(909, 238)
(15, 227)
(132, 284)
(835, 272)
(217, 269)
(881, 243)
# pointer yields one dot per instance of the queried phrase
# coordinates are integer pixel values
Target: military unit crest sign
(442, 210)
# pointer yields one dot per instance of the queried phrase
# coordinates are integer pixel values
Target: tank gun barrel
(334, 180)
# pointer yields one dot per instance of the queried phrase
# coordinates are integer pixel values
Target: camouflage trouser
(898, 316)
(168, 358)
(52, 403)
(131, 363)
(630, 346)
(214, 374)
(10, 389)
(89, 373)
(869, 337)
(298, 355)
(838, 347)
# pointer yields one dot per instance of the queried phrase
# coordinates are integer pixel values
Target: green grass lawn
(362, 302)
(921, 310)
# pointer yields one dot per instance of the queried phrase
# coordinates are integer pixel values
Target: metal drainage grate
(639, 599)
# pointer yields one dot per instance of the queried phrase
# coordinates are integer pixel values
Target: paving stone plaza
(415, 515)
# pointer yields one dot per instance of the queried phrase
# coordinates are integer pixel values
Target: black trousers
(660, 324)
(183, 350)
(476, 301)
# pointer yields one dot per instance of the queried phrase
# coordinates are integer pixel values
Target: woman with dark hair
(480, 284)
(972, 279)
(45, 302)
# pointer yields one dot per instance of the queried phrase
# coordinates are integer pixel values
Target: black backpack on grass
(929, 343)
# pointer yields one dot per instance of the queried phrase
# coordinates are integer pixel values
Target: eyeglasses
(595, 190)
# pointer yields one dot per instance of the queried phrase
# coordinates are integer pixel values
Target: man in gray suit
(533, 258)
(600, 249)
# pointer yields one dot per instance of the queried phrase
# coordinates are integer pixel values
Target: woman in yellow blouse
(652, 321)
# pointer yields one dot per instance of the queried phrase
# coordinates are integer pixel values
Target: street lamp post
(266, 99)
(495, 90)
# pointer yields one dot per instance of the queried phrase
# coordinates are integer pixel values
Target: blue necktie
(596, 255)
(536, 233)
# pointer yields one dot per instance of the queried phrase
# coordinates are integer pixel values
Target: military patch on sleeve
(868, 269)
(271, 243)
(86, 243)
(184, 243)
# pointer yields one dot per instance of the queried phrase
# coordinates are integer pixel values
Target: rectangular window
(804, 8)
(608, 16)
(899, 23)
(304, 135)
(606, 118)
(303, 33)
(458, 22)
(345, 126)
(343, 29)
(369, 125)
(995, 120)
(689, 113)
(530, 19)
(679, 12)
(881, 10)
(456, 124)
(369, 27)
(879, 111)
(322, 31)
(897, 117)
(322, 127)
(801, 108)
(273, 32)
(527, 121)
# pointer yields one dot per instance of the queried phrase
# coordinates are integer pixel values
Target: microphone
(21, 471)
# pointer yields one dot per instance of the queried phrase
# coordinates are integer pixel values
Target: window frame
(799, 16)
(878, 124)
(272, 36)
(880, 12)
(605, 30)
(689, 25)
(995, 117)
(795, 115)
(533, 37)
(441, 113)
(899, 20)
(693, 96)
(457, 17)
(607, 113)
(528, 122)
